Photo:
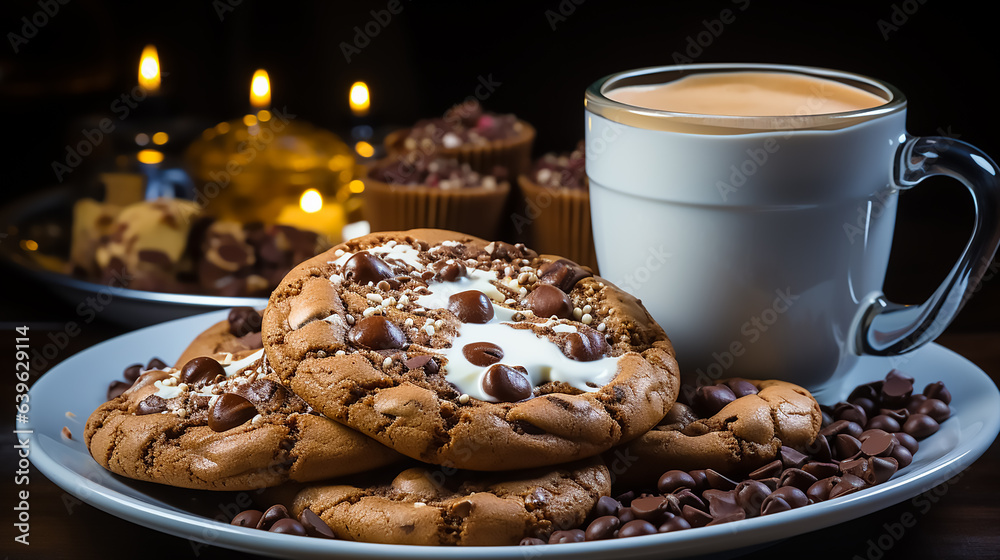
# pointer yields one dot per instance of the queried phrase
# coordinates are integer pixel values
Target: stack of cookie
(459, 391)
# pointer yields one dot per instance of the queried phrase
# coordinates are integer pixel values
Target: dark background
(543, 54)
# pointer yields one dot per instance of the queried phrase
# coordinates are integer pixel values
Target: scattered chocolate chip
(846, 446)
(152, 404)
(920, 426)
(675, 523)
(376, 333)
(586, 345)
(883, 468)
(244, 320)
(884, 423)
(547, 301)
(132, 372)
(364, 267)
(606, 505)
(201, 371)
(821, 469)
(650, 508)
(741, 387)
(674, 480)
(271, 516)
(471, 306)
(116, 388)
(938, 391)
(696, 517)
(800, 478)
(230, 410)
(563, 274)
(482, 354)
(896, 389)
(710, 399)
(602, 528)
(635, 528)
(907, 441)
(249, 518)
(936, 409)
(750, 495)
(155, 363)
(792, 458)
(877, 443)
(506, 384)
(570, 536)
(848, 484)
(425, 361)
(288, 526)
(851, 413)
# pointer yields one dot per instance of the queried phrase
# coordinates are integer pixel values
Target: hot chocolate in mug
(751, 208)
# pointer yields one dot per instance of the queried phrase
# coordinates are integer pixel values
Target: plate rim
(751, 532)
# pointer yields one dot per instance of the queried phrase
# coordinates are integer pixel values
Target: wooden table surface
(959, 519)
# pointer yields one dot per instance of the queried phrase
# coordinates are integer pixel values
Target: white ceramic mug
(761, 245)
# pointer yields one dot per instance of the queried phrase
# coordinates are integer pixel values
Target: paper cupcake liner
(558, 221)
(472, 210)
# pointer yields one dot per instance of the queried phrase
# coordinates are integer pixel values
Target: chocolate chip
(132, 372)
(680, 415)
(898, 414)
(201, 371)
(750, 495)
(650, 508)
(547, 300)
(914, 402)
(116, 388)
(152, 404)
(907, 441)
(883, 422)
(695, 517)
(920, 426)
(848, 484)
(842, 427)
(799, 478)
(572, 535)
(860, 468)
(243, 321)
(635, 528)
(364, 267)
(288, 526)
(877, 443)
(820, 449)
(471, 306)
(938, 391)
(230, 410)
(506, 384)
(625, 514)
(272, 515)
(155, 363)
(883, 468)
(820, 490)
(795, 496)
(563, 274)
(425, 361)
(722, 503)
(586, 345)
(538, 499)
(249, 518)
(792, 458)
(606, 505)
(710, 399)
(936, 409)
(846, 446)
(503, 250)
(820, 469)
(482, 354)
(851, 413)
(376, 333)
(673, 480)
(719, 481)
(896, 389)
(675, 523)
(449, 270)
(741, 387)
(902, 455)
(604, 527)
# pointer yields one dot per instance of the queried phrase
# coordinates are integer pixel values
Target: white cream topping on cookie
(476, 280)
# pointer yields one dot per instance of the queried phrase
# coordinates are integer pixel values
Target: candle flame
(150, 157)
(149, 69)
(311, 201)
(360, 99)
(260, 90)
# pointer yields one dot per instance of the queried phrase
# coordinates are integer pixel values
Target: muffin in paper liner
(556, 217)
(475, 210)
(513, 154)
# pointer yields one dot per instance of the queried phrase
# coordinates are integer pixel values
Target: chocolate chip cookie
(732, 427)
(421, 505)
(223, 425)
(240, 332)
(466, 353)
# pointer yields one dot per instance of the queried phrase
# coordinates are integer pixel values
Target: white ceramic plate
(78, 385)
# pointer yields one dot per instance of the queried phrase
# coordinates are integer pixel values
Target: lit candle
(360, 99)
(149, 70)
(260, 90)
(312, 214)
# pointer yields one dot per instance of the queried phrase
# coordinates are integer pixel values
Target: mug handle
(888, 328)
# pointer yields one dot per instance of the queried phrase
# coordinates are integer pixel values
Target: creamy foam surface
(750, 94)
